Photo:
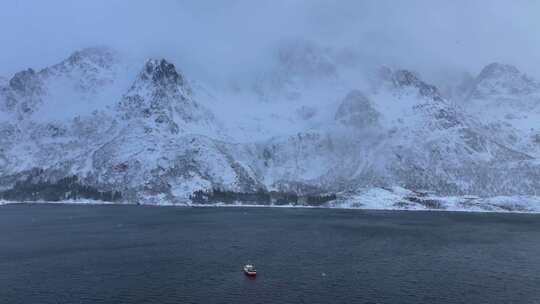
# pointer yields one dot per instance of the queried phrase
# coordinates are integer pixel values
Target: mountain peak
(496, 69)
(101, 56)
(160, 71)
(406, 78)
(90, 68)
(160, 92)
(499, 80)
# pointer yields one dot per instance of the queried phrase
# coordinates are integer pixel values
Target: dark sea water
(131, 254)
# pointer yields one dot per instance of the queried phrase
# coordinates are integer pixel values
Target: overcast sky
(232, 35)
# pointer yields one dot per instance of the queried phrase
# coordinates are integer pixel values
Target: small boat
(250, 270)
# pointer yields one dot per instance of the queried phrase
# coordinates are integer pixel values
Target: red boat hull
(250, 274)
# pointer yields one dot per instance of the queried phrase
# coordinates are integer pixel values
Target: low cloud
(224, 39)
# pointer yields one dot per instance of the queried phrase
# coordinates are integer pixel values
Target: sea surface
(139, 254)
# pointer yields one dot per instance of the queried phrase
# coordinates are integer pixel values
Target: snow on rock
(149, 133)
(503, 79)
(356, 110)
(398, 198)
(507, 103)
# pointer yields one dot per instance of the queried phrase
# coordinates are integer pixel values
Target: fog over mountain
(373, 104)
(226, 38)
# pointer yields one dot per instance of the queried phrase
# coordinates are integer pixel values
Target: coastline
(240, 205)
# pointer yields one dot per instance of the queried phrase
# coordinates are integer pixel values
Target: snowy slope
(507, 102)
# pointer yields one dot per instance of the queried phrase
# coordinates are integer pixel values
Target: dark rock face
(356, 110)
(23, 94)
(25, 82)
(404, 78)
(162, 72)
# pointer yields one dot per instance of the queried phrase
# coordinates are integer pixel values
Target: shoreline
(222, 205)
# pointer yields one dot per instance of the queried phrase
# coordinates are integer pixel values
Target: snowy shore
(371, 199)
(397, 198)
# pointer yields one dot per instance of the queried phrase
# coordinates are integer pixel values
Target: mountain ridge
(154, 139)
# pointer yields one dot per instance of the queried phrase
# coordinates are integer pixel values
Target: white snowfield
(310, 124)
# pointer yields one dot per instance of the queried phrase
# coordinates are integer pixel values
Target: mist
(220, 40)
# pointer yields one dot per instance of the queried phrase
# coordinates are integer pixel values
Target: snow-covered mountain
(310, 129)
(507, 102)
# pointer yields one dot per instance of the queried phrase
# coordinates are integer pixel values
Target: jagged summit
(159, 80)
(405, 78)
(402, 78)
(161, 72)
(162, 94)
